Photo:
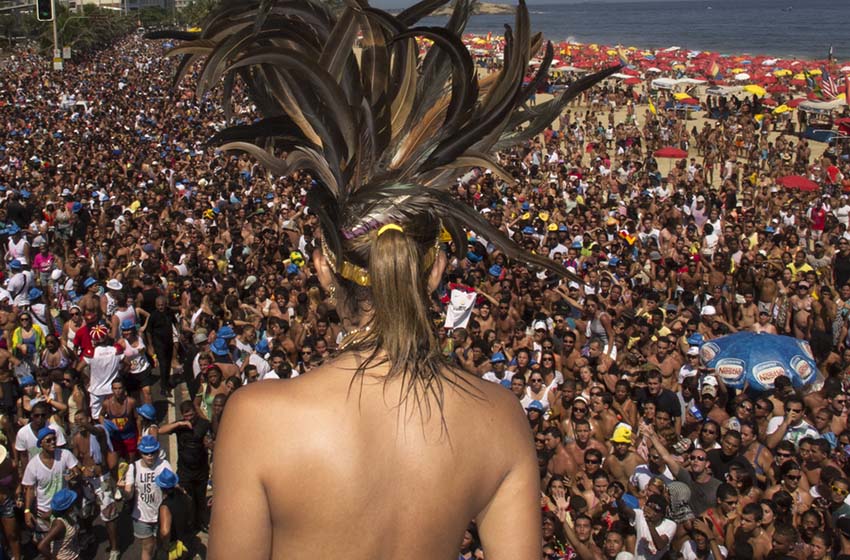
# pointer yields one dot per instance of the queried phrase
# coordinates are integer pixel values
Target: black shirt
(666, 400)
(192, 454)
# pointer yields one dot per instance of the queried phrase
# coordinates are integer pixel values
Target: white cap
(693, 351)
(114, 284)
(708, 310)
(56, 275)
(539, 325)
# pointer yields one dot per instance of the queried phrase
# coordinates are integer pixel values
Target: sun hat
(89, 282)
(98, 333)
(128, 325)
(148, 444)
(200, 336)
(167, 479)
(15, 264)
(146, 411)
(622, 434)
(114, 284)
(498, 357)
(225, 333)
(27, 380)
(219, 347)
(43, 433)
(63, 500)
(535, 405)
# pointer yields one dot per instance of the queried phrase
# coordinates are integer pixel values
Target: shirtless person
(799, 321)
(622, 461)
(561, 463)
(763, 324)
(747, 526)
(583, 442)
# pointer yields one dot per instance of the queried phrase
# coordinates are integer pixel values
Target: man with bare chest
(583, 442)
(800, 318)
(91, 447)
(668, 363)
(622, 461)
(560, 462)
(748, 312)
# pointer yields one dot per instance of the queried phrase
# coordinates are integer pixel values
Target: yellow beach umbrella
(815, 72)
(755, 89)
(782, 72)
(681, 95)
(799, 76)
(782, 109)
(737, 70)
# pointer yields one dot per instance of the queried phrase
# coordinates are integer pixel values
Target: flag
(652, 108)
(714, 72)
(621, 54)
(829, 87)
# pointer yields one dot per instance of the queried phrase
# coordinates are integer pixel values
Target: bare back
(304, 470)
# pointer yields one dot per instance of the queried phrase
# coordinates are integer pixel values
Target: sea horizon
(785, 28)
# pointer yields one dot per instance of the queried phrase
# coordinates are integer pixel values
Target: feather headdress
(382, 128)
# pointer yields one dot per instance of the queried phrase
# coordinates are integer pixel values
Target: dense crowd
(145, 270)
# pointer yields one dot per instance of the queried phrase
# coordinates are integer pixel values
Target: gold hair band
(389, 227)
(360, 275)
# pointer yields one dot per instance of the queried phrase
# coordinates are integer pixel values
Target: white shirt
(104, 369)
(642, 475)
(794, 433)
(27, 440)
(148, 495)
(644, 548)
(689, 552)
(48, 482)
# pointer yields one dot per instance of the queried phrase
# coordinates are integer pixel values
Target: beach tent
(822, 107)
(664, 83)
(723, 91)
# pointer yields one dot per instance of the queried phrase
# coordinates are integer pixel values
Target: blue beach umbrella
(758, 359)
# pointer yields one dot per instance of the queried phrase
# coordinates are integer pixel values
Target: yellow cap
(552, 227)
(526, 216)
(544, 216)
(622, 434)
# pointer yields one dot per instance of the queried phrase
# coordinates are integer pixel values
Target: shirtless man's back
(323, 478)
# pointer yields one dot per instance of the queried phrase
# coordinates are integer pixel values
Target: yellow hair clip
(388, 227)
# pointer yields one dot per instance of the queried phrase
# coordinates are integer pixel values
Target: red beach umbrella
(798, 182)
(794, 102)
(671, 152)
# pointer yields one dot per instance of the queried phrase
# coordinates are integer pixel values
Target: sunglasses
(839, 490)
(792, 476)
(582, 409)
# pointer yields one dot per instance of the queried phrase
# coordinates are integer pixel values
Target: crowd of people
(145, 271)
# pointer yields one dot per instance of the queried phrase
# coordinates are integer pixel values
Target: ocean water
(778, 28)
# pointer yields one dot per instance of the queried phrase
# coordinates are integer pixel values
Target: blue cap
(27, 380)
(562, 227)
(89, 282)
(263, 347)
(535, 405)
(695, 339)
(43, 433)
(25, 193)
(167, 479)
(128, 325)
(148, 248)
(576, 245)
(473, 257)
(34, 294)
(225, 332)
(76, 207)
(63, 500)
(630, 501)
(495, 270)
(147, 411)
(498, 357)
(15, 264)
(526, 206)
(269, 196)
(613, 261)
(219, 347)
(13, 229)
(769, 229)
(148, 444)
(292, 268)
(528, 230)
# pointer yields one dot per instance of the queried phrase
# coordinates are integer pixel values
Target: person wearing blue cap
(61, 540)
(175, 514)
(139, 380)
(52, 467)
(139, 483)
(497, 373)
